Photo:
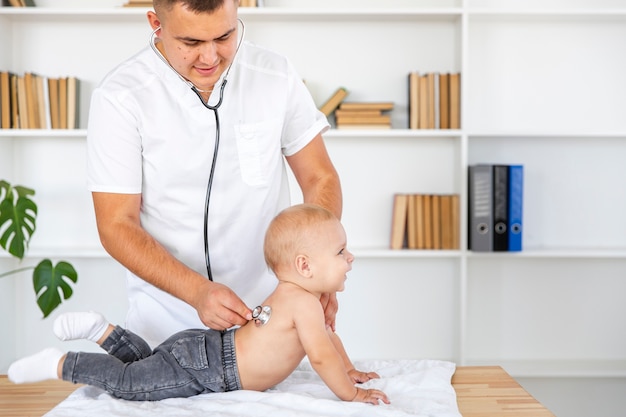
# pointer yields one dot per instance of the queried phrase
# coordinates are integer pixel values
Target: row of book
(425, 221)
(32, 101)
(434, 100)
(18, 3)
(495, 207)
(357, 115)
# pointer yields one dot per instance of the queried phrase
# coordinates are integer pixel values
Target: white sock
(82, 325)
(38, 367)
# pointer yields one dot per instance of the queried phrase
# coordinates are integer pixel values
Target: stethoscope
(214, 108)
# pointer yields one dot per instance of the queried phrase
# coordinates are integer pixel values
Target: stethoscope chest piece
(261, 315)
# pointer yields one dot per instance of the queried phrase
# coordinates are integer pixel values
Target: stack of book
(32, 101)
(357, 115)
(248, 3)
(495, 207)
(363, 115)
(425, 221)
(138, 3)
(434, 101)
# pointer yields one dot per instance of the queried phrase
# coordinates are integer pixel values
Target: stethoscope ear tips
(261, 315)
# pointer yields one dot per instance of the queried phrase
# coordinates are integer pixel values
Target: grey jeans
(190, 362)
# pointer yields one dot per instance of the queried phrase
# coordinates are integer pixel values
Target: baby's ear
(303, 266)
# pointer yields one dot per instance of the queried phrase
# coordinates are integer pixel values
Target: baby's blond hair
(290, 233)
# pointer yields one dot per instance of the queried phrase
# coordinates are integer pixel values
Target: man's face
(200, 46)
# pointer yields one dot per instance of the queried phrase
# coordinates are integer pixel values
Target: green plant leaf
(18, 213)
(48, 280)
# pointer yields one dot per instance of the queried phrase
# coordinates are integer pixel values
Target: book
(63, 103)
(361, 113)
(480, 220)
(428, 221)
(53, 94)
(5, 100)
(22, 104)
(363, 126)
(42, 99)
(430, 99)
(444, 101)
(411, 221)
(445, 206)
(456, 221)
(500, 208)
(334, 101)
(423, 102)
(15, 118)
(515, 200)
(357, 119)
(435, 224)
(374, 105)
(413, 100)
(419, 216)
(399, 221)
(72, 102)
(138, 3)
(455, 100)
(30, 88)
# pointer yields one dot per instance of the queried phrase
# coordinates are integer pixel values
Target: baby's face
(330, 258)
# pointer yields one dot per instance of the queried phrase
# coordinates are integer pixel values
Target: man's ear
(303, 266)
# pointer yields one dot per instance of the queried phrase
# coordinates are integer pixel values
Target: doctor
(195, 129)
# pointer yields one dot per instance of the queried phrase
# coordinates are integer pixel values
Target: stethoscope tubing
(214, 108)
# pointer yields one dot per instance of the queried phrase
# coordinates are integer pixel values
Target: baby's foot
(81, 325)
(35, 368)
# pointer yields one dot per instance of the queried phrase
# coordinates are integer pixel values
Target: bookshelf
(542, 85)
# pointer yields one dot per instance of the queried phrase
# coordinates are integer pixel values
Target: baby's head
(307, 239)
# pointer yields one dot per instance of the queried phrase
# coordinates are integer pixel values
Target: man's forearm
(141, 254)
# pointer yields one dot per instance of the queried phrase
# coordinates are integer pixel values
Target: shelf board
(584, 368)
(549, 14)
(575, 253)
(372, 253)
(392, 133)
(546, 135)
(446, 14)
(43, 133)
(332, 133)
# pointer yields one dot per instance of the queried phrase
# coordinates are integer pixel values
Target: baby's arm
(326, 359)
(355, 375)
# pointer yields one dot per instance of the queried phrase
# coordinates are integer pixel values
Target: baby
(305, 246)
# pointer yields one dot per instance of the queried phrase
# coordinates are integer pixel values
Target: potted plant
(18, 214)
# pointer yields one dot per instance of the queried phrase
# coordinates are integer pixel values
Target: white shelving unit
(542, 85)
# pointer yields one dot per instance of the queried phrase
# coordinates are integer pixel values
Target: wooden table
(482, 391)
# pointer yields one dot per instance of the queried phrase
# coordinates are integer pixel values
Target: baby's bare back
(269, 353)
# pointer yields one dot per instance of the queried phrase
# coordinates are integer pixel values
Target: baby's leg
(80, 325)
(38, 367)
(156, 377)
(118, 342)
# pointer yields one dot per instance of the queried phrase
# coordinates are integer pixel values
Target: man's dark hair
(193, 5)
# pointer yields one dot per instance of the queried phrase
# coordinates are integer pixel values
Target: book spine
(500, 208)
(480, 208)
(516, 193)
(399, 222)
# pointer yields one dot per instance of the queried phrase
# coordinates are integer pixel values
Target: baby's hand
(358, 377)
(372, 396)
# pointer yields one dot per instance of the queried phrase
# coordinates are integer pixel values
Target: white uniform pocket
(253, 155)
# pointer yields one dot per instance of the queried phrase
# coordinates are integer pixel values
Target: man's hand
(330, 305)
(219, 308)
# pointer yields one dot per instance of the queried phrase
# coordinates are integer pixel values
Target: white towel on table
(414, 387)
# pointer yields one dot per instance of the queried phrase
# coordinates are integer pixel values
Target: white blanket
(414, 387)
